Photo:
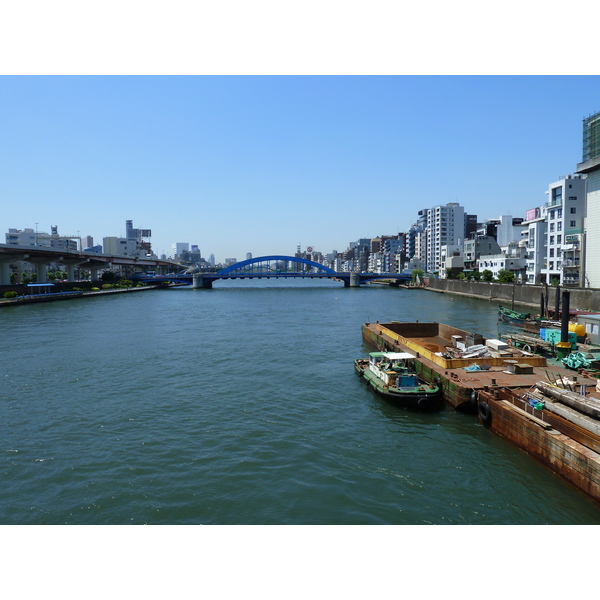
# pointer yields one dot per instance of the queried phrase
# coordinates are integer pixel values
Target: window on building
(557, 195)
(573, 210)
(572, 197)
(572, 223)
(559, 226)
(552, 214)
(551, 240)
(551, 265)
(559, 213)
(551, 226)
(559, 239)
(552, 252)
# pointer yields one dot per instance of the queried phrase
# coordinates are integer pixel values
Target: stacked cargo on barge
(461, 362)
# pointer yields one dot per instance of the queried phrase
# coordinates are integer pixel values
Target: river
(240, 405)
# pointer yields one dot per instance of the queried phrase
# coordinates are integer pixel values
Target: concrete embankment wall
(524, 295)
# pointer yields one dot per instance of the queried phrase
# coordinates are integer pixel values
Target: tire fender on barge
(485, 413)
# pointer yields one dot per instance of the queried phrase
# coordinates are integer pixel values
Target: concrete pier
(354, 280)
(198, 282)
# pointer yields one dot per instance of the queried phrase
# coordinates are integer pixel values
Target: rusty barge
(509, 367)
(569, 448)
(511, 394)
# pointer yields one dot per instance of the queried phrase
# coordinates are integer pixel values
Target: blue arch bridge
(277, 267)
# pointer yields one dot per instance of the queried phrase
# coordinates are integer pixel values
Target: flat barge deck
(512, 369)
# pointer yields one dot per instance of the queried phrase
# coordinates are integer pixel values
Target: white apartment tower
(565, 214)
(445, 227)
(534, 236)
(590, 166)
(179, 248)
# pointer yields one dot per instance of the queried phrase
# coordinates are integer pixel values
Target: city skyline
(264, 164)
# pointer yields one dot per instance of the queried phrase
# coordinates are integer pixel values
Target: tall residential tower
(591, 167)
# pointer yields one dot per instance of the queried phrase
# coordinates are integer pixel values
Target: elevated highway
(41, 257)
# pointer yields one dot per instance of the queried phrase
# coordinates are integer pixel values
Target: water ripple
(240, 405)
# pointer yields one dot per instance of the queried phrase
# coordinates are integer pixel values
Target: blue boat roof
(39, 284)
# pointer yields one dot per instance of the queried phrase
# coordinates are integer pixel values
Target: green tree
(476, 275)
(416, 272)
(487, 275)
(108, 277)
(449, 274)
(555, 281)
(506, 276)
(461, 276)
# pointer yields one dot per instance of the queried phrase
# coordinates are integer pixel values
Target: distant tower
(249, 256)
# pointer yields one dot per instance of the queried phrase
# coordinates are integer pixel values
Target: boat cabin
(393, 368)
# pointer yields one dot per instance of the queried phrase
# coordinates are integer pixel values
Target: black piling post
(564, 324)
(542, 305)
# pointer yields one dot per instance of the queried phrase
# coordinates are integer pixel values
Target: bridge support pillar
(354, 279)
(198, 282)
(41, 267)
(70, 272)
(5, 272)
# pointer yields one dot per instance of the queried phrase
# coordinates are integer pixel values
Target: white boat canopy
(397, 355)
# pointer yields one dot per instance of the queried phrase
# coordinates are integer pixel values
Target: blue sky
(260, 164)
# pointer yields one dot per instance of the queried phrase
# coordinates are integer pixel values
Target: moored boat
(393, 375)
(513, 316)
(533, 324)
(523, 320)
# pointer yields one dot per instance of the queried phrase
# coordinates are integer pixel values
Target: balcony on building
(570, 263)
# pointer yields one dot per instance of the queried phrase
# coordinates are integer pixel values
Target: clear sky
(260, 164)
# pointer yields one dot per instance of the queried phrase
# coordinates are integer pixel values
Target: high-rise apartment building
(445, 227)
(534, 236)
(565, 214)
(590, 166)
(416, 246)
(178, 248)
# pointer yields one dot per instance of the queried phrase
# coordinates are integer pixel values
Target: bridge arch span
(231, 269)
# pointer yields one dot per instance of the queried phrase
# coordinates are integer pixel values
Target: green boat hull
(423, 397)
